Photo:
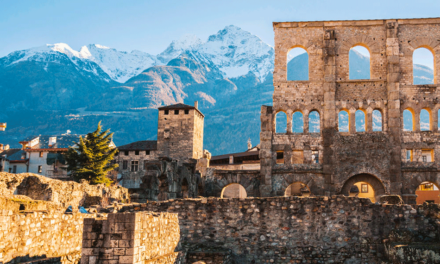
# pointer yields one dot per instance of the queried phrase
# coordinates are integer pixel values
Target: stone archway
(378, 187)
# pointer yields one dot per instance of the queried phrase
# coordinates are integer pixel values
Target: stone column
(393, 104)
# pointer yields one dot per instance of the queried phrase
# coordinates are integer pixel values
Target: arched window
(423, 66)
(297, 122)
(408, 120)
(343, 121)
(361, 123)
(234, 190)
(314, 122)
(359, 63)
(281, 122)
(297, 189)
(297, 65)
(377, 120)
(425, 120)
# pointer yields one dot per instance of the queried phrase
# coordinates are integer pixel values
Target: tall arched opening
(297, 65)
(373, 187)
(297, 189)
(427, 192)
(423, 66)
(233, 190)
(359, 63)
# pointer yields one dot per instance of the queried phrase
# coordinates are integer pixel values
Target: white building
(44, 154)
(12, 160)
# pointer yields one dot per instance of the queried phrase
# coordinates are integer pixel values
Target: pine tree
(90, 158)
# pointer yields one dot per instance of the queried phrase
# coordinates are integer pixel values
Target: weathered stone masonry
(298, 230)
(376, 157)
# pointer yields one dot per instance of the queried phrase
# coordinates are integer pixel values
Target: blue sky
(151, 25)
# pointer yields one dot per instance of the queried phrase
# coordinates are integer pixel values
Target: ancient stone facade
(303, 230)
(378, 158)
(180, 132)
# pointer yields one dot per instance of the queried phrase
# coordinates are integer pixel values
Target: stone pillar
(140, 237)
(266, 160)
(306, 122)
(434, 120)
(352, 121)
(329, 127)
(393, 105)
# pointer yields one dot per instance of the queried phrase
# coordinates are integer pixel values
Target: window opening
(176, 112)
(297, 189)
(41, 154)
(314, 122)
(359, 63)
(377, 120)
(343, 121)
(363, 190)
(408, 120)
(126, 153)
(134, 165)
(136, 152)
(297, 65)
(280, 157)
(409, 156)
(124, 164)
(297, 122)
(423, 66)
(166, 112)
(360, 121)
(315, 156)
(281, 122)
(425, 120)
(186, 112)
(40, 169)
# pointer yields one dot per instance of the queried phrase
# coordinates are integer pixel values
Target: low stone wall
(48, 234)
(290, 229)
(39, 187)
(131, 238)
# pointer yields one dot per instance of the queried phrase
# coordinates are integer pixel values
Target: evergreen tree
(90, 158)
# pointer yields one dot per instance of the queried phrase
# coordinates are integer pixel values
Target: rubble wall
(291, 229)
(40, 234)
(131, 238)
(39, 187)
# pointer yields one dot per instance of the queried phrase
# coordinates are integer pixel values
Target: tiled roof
(180, 106)
(177, 106)
(9, 153)
(236, 155)
(16, 156)
(140, 145)
(62, 142)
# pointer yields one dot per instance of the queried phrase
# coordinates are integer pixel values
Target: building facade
(328, 160)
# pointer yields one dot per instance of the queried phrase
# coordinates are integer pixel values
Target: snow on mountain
(177, 47)
(234, 51)
(237, 52)
(119, 65)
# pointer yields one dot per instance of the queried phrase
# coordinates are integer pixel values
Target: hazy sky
(151, 25)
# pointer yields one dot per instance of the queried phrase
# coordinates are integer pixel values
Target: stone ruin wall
(346, 154)
(292, 230)
(43, 231)
(64, 193)
(131, 238)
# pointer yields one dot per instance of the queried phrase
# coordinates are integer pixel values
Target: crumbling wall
(64, 193)
(290, 229)
(216, 180)
(131, 238)
(45, 234)
(167, 179)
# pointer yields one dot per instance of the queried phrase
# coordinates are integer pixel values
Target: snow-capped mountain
(237, 52)
(234, 51)
(119, 65)
(177, 47)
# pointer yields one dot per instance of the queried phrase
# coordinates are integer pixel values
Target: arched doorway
(369, 181)
(362, 190)
(233, 190)
(297, 189)
(185, 188)
(427, 192)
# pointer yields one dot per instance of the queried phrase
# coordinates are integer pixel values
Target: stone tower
(180, 132)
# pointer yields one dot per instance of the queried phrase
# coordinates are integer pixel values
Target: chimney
(196, 104)
(52, 141)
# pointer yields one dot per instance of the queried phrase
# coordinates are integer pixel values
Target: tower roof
(180, 106)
